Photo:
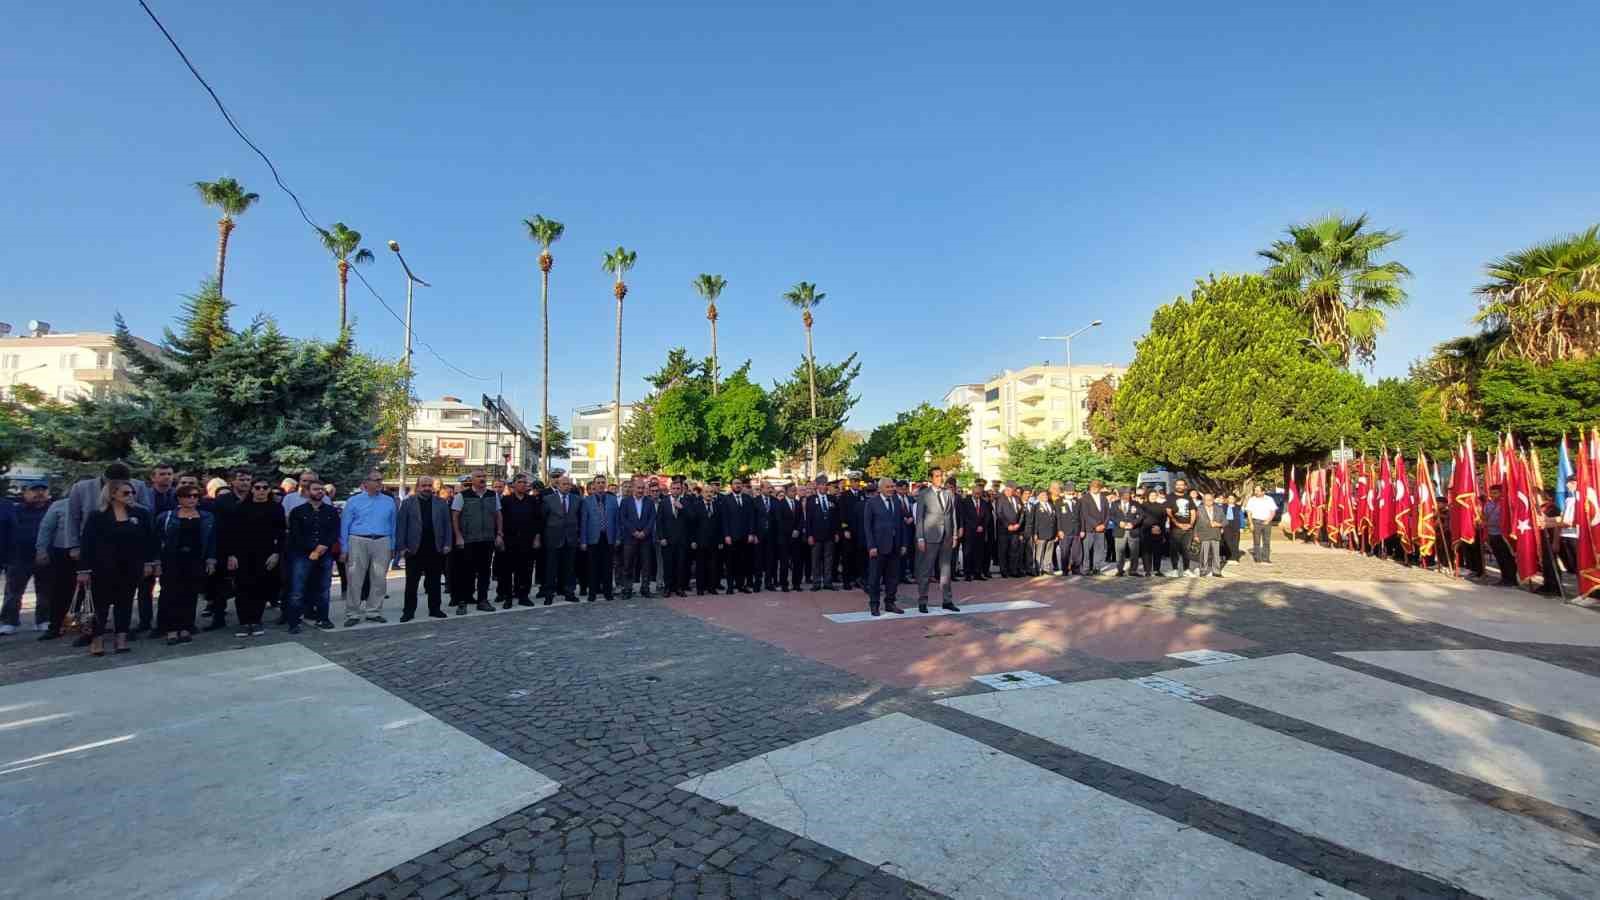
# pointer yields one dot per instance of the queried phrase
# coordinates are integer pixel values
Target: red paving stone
(917, 651)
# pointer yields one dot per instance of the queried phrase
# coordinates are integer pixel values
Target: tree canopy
(915, 442)
(1222, 388)
(1036, 465)
(791, 404)
(682, 428)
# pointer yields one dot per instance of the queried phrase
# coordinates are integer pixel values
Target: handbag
(80, 615)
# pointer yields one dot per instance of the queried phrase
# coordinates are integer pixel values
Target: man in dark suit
(882, 524)
(1127, 529)
(765, 554)
(739, 536)
(977, 524)
(1093, 518)
(1008, 524)
(849, 552)
(706, 538)
(821, 534)
(638, 522)
(522, 513)
(788, 538)
(560, 540)
(672, 533)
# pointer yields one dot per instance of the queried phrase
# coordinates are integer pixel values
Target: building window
(1084, 381)
(580, 467)
(11, 361)
(581, 432)
(69, 360)
(102, 359)
(1084, 403)
(991, 395)
(1058, 424)
(1058, 403)
(1061, 382)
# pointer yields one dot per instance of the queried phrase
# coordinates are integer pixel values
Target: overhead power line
(228, 117)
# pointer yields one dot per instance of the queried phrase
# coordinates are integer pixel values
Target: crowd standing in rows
(117, 539)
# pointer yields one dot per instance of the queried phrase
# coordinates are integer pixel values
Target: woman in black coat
(118, 551)
(253, 540)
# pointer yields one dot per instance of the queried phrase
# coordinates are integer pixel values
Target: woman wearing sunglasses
(119, 549)
(255, 548)
(188, 556)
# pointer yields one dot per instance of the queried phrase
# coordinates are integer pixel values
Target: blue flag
(1563, 472)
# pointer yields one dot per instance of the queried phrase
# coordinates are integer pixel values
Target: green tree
(233, 200)
(1038, 464)
(1399, 416)
(797, 424)
(841, 449)
(915, 442)
(740, 433)
(1539, 402)
(1221, 388)
(345, 245)
(1328, 271)
(804, 296)
(1546, 299)
(710, 287)
(618, 262)
(545, 232)
(1448, 377)
(559, 442)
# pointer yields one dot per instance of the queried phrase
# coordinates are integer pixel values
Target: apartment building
(64, 365)
(1039, 403)
(595, 448)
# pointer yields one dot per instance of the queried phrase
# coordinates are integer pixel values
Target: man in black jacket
(977, 524)
(560, 540)
(1125, 522)
(765, 553)
(1044, 525)
(706, 540)
(1008, 525)
(523, 515)
(1094, 514)
(821, 534)
(673, 524)
(739, 519)
(788, 538)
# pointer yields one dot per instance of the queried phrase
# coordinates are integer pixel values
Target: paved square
(268, 772)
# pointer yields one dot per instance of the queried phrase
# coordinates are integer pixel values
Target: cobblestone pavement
(622, 703)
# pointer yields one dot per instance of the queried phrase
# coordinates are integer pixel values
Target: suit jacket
(849, 513)
(819, 523)
(738, 518)
(83, 500)
(1091, 514)
(1007, 511)
(599, 513)
(1126, 520)
(1069, 517)
(1208, 522)
(561, 528)
(764, 516)
(632, 519)
(704, 523)
(1045, 521)
(674, 528)
(408, 526)
(786, 521)
(880, 525)
(938, 516)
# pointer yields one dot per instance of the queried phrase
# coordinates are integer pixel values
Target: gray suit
(935, 526)
(408, 527)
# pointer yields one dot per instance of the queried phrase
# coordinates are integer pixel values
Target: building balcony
(100, 376)
(1029, 416)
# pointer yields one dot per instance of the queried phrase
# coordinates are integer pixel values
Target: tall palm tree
(710, 288)
(804, 296)
(1547, 298)
(230, 197)
(617, 262)
(1329, 271)
(1449, 375)
(345, 245)
(545, 232)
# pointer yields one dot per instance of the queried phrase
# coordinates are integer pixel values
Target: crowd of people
(115, 545)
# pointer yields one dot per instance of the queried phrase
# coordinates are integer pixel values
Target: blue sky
(958, 178)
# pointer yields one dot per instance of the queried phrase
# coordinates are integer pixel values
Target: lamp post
(405, 360)
(1072, 408)
(12, 379)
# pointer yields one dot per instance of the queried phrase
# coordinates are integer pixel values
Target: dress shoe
(50, 634)
(570, 598)
(891, 607)
(485, 607)
(524, 602)
(351, 622)
(406, 617)
(505, 604)
(325, 625)
(549, 600)
(922, 607)
(294, 629)
(645, 595)
(950, 606)
(379, 619)
(873, 607)
(610, 598)
(461, 610)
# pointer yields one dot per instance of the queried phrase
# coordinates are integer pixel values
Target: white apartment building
(468, 437)
(1039, 403)
(594, 446)
(66, 365)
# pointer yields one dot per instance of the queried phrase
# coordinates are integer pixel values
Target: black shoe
(437, 614)
(524, 602)
(282, 620)
(506, 604)
(406, 617)
(294, 629)
(244, 631)
(873, 607)
(325, 624)
(891, 607)
(570, 598)
(610, 599)
(461, 609)
(49, 635)
(922, 607)
(485, 607)
(950, 606)
(643, 595)
(352, 622)
(379, 619)
(815, 588)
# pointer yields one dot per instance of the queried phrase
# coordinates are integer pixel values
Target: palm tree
(345, 245)
(617, 262)
(1328, 270)
(804, 296)
(230, 197)
(710, 288)
(1547, 298)
(545, 232)
(1449, 375)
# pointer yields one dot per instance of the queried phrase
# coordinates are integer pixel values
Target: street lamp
(405, 360)
(12, 379)
(1072, 409)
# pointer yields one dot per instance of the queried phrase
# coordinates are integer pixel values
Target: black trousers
(638, 564)
(706, 560)
(600, 568)
(675, 567)
(472, 572)
(1179, 547)
(1504, 558)
(515, 565)
(147, 603)
(822, 562)
(557, 572)
(793, 560)
(502, 574)
(975, 555)
(256, 586)
(1014, 559)
(181, 584)
(1152, 547)
(113, 595)
(739, 555)
(765, 561)
(883, 576)
(425, 566)
(63, 587)
(849, 557)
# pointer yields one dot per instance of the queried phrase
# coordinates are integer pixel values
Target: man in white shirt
(1261, 509)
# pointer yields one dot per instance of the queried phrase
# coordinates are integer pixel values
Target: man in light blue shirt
(366, 535)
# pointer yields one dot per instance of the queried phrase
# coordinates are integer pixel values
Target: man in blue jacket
(600, 527)
(19, 532)
(882, 520)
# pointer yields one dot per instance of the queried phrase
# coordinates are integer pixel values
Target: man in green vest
(475, 512)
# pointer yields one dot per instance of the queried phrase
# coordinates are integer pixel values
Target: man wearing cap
(19, 537)
(881, 518)
(822, 534)
(1126, 517)
(938, 529)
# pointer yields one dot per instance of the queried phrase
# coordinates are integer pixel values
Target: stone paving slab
(1506, 677)
(957, 816)
(262, 773)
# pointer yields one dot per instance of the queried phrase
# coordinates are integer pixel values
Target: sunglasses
(260, 487)
(125, 492)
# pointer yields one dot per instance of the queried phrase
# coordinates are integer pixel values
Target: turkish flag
(1464, 512)
(1401, 510)
(1427, 510)
(1365, 498)
(1291, 521)
(1385, 502)
(1587, 518)
(1524, 530)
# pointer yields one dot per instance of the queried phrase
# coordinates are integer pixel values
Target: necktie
(824, 505)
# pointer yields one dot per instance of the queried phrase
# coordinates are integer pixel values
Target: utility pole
(405, 361)
(1072, 407)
